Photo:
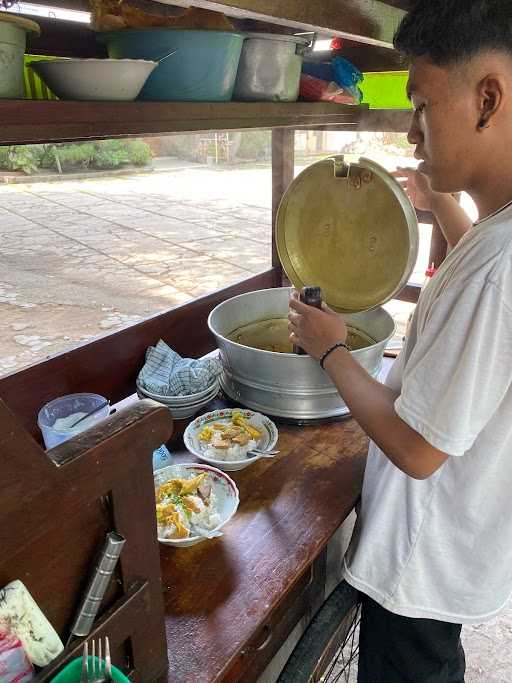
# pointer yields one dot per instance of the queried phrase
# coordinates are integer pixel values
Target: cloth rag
(166, 373)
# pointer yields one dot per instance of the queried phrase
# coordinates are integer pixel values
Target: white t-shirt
(441, 548)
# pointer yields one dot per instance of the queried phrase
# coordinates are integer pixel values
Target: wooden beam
(367, 21)
(438, 245)
(385, 120)
(34, 121)
(283, 165)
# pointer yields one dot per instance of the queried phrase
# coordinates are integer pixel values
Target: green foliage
(110, 154)
(139, 154)
(104, 154)
(20, 158)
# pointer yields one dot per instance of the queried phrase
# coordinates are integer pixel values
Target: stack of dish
(182, 407)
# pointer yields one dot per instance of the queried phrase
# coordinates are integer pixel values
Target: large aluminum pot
(285, 384)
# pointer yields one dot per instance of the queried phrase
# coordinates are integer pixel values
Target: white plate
(225, 489)
(266, 442)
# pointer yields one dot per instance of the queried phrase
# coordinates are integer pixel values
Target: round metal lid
(20, 22)
(351, 230)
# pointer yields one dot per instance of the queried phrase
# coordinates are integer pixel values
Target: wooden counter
(231, 602)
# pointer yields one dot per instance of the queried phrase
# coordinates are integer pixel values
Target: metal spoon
(170, 54)
(256, 453)
(92, 412)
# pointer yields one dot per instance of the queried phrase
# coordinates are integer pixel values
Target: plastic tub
(13, 32)
(71, 673)
(270, 68)
(63, 407)
(203, 69)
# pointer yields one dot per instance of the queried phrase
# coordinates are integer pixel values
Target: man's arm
(453, 220)
(371, 403)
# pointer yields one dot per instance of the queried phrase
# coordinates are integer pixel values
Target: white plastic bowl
(267, 441)
(225, 489)
(94, 79)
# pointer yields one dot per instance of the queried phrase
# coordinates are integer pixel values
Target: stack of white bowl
(182, 407)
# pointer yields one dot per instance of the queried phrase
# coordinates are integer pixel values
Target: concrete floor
(81, 258)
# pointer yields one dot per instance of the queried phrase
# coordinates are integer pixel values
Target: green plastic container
(13, 34)
(385, 90)
(71, 673)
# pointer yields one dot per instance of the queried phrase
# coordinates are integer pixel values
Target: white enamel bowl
(94, 79)
(225, 489)
(266, 442)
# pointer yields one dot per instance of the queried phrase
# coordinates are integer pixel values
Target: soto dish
(230, 440)
(184, 506)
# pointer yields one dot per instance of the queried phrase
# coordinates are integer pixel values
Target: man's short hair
(451, 31)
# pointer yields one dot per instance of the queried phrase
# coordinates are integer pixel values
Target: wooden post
(283, 163)
(438, 245)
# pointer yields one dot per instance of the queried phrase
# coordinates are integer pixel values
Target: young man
(432, 548)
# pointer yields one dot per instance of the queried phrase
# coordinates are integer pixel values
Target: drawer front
(300, 603)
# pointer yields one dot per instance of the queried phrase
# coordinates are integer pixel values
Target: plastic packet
(14, 664)
(316, 90)
(333, 81)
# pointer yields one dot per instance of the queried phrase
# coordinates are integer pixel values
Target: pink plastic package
(14, 665)
(316, 90)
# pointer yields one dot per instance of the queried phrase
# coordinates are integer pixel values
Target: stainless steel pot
(270, 68)
(285, 384)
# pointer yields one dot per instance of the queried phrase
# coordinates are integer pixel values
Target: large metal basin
(285, 384)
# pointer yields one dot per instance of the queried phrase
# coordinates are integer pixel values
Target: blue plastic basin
(202, 70)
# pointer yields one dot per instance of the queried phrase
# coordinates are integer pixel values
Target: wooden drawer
(302, 601)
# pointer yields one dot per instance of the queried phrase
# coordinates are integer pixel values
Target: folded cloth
(168, 374)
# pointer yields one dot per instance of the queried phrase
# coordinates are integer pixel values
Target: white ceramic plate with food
(193, 502)
(215, 439)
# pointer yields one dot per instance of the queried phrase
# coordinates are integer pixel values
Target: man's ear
(491, 95)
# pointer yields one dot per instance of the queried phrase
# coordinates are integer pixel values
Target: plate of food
(225, 438)
(193, 502)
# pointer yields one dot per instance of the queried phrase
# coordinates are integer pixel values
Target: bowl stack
(182, 407)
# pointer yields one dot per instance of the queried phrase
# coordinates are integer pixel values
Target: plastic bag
(333, 81)
(316, 90)
(14, 665)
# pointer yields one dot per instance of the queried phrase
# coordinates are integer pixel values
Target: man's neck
(493, 193)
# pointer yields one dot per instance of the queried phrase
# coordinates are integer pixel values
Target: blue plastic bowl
(203, 69)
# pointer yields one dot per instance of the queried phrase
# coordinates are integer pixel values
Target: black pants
(395, 649)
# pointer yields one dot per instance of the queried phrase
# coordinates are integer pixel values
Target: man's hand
(315, 330)
(417, 186)
(452, 219)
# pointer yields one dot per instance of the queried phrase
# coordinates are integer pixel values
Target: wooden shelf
(32, 121)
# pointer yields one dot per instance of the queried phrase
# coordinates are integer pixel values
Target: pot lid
(349, 229)
(20, 22)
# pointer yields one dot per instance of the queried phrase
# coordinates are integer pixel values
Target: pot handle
(303, 50)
